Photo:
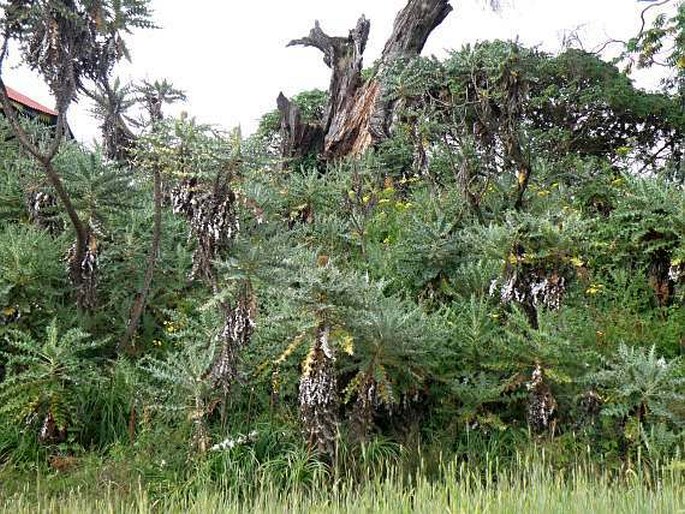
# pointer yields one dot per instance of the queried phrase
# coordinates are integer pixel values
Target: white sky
(230, 56)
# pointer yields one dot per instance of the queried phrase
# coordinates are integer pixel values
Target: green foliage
(32, 278)
(69, 43)
(180, 387)
(640, 383)
(44, 379)
(514, 250)
(100, 190)
(645, 392)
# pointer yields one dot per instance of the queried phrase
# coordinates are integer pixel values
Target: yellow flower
(594, 289)
(347, 344)
(521, 176)
(577, 262)
(170, 327)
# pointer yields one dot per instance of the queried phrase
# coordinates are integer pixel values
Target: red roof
(25, 100)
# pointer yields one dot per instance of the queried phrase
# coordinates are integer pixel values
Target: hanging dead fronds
(531, 285)
(83, 272)
(542, 405)
(591, 404)
(42, 209)
(318, 394)
(50, 432)
(213, 220)
(235, 335)
(365, 406)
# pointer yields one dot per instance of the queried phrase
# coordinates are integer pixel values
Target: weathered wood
(298, 139)
(345, 58)
(413, 25)
(358, 115)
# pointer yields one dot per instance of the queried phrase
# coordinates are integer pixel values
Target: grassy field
(458, 491)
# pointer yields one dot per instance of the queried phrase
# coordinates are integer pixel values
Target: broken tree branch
(358, 115)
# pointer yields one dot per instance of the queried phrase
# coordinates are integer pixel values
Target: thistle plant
(70, 44)
(638, 383)
(182, 384)
(538, 265)
(182, 389)
(44, 378)
(387, 345)
(31, 276)
(646, 394)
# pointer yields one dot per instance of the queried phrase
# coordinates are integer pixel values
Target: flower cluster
(230, 442)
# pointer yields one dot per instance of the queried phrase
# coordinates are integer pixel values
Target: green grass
(528, 489)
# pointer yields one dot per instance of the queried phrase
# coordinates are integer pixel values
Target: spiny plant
(181, 386)
(68, 44)
(639, 384)
(45, 377)
(101, 190)
(152, 97)
(387, 342)
(31, 277)
(113, 102)
(71, 42)
(647, 227)
(538, 260)
(251, 271)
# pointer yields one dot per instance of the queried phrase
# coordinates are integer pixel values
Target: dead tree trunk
(358, 114)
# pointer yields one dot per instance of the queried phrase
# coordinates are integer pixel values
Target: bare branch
(333, 48)
(643, 14)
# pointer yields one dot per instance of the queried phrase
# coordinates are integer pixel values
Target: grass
(530, 488)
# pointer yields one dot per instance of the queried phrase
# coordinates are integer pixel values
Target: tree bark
(358, 114)
(299, 139)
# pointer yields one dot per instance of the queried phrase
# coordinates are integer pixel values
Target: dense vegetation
(502, 279)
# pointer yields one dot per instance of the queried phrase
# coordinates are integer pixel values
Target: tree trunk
(82, 256)
(141, 299)
(358, 114)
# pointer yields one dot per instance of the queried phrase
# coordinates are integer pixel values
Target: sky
(230, 56)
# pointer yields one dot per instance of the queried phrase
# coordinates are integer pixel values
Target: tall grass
(530, 487)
